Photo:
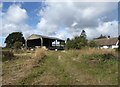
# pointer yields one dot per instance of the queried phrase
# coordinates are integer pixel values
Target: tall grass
(93, 53)
(7, 55)
(97, 51)
(40, 53)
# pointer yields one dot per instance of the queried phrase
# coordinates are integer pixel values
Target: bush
(17, 45)
(98, 54)
(92, 44)
(7, 55)
(40, 53)
(76, 43)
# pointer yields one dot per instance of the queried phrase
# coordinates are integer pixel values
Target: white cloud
(14, 20)
(46, 28)
(15, 14)
(62, 19)
(74, 17)
(105, 28)
(74, 24)
(109, 28)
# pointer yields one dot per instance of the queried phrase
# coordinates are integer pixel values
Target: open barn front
(47, 42)
(33, 43)
(51, 43)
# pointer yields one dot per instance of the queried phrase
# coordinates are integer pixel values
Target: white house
(106, 43)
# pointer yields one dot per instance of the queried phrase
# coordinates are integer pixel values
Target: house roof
(35, 36)
(106, 41)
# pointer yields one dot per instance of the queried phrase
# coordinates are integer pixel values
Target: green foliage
(78, 42)
(17, 45)
(92, 43)
(99, 56)
(14, 37)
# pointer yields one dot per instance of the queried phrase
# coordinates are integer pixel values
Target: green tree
(83, 34)
(14, 37)
(17, 45)
(92, 43)
(68, 39)
(77, 42)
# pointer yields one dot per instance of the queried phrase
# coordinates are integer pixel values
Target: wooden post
(55, 43)
(49, 42)
(60, 43)
(26, 43)
(41, 42)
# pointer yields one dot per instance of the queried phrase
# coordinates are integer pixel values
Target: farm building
(107, 43)
(48, 42)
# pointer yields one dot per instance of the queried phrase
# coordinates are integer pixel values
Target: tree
(14, 37)
(83, 34)
(17, 45)
(68, 39)
(92, 43)
(77, 42)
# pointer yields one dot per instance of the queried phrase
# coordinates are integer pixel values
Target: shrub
(7, 55)
(92, 44)
(40, 53)
(17, 45)
(98, 53)
(77, 42)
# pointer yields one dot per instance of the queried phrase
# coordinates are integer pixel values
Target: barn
(49, 42)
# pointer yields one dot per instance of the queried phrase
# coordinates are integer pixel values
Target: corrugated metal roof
(35, 36)
(106, 41)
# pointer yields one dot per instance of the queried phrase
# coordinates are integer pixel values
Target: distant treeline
(16, 40)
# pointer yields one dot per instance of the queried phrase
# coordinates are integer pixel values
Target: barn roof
(106, 41)
(35, 36)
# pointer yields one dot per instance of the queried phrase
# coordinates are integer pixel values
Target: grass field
(72, 67)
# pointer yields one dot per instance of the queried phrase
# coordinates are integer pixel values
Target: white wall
(114, 46)
(104, 47)
(108, 47)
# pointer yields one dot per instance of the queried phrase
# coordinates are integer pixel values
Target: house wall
(114, 46)
(104, 47)
(109, 47)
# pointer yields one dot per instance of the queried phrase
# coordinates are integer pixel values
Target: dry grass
(40, 53)
(97, 51)
(60, 68)
(38, 56)
(22, 66)
(7, 54)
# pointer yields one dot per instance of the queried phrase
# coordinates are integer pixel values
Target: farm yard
(68, 67)
(59, 43)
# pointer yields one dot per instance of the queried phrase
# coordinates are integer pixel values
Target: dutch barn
(44, 41)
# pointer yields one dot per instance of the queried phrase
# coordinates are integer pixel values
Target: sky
(59, 19)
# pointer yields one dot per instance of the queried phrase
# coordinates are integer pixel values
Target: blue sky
(31, 9)
(59, 19)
